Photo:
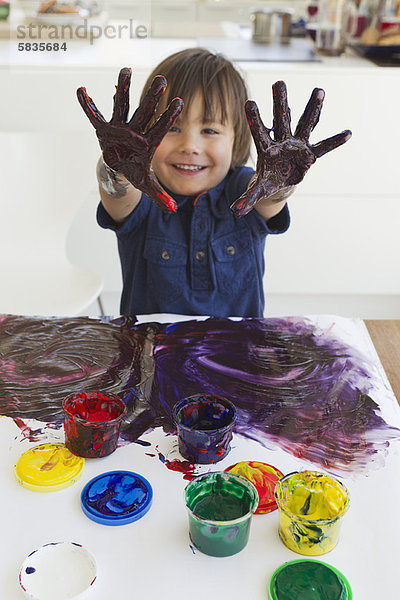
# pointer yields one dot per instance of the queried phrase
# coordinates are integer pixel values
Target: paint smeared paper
(295, 386)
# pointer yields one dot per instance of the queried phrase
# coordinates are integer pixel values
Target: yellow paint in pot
(311, 507)
(48, 468)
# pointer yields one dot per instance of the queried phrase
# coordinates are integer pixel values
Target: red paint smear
(20, 580)
(169, 202)
(26, 431)
(182, 466)
(197, 197)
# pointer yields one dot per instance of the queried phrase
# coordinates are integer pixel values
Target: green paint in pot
(220, 506)
(308, 580)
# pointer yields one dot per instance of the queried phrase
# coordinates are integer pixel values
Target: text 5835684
(42, 46)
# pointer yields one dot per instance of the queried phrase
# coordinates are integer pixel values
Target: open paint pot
(58, 571)
(311, 507)
(92, 422)
(220, 507)
(311, 579)
(264, 477)
(204, 425)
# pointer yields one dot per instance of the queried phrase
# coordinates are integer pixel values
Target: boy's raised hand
(283, 161)
(126, 145)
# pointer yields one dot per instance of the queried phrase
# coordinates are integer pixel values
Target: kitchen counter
(115, 40)
(110, 53)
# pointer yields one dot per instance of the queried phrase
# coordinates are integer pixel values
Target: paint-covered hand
(283, 161)
(128, 146)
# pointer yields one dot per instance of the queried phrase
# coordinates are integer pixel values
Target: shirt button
(165, 255)
(200, 255)
(231, 250)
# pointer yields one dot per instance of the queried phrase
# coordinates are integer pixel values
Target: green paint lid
(308, 580)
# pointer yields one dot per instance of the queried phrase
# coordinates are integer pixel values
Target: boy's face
(194, 156)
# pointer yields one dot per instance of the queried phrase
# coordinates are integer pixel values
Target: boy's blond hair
(221, 85)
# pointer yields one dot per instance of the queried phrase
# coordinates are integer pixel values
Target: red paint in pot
(92, 423)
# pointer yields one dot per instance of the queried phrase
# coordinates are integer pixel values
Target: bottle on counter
(330, 27)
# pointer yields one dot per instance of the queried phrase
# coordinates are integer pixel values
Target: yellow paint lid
(48, 468)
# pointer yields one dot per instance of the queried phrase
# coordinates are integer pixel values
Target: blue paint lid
(116, 498)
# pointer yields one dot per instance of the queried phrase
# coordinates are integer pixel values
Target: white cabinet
(346, 213)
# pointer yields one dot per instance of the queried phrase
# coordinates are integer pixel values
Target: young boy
(195, 256)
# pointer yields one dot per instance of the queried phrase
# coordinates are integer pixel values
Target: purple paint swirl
(293, 386)
(301, 390)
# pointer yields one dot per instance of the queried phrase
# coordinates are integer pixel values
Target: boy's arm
(118, 196)
(269, 207)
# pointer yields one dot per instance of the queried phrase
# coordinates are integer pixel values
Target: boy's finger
(158, 195)
(144, 113)
(121, 97)
(89, 107)
(331, 143)
(246, 202)
(260, 133)
(311, 114)
(281, 123)
(164, 123)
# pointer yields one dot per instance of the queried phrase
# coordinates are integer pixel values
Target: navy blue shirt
(201, 260)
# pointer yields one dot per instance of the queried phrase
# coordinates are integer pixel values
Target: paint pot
(311, 579)
(60, 570)
(311, 507)
(204, 425)
(116, 498)
(48, 468)
(220, 506)
(264, 477)
(92, 422)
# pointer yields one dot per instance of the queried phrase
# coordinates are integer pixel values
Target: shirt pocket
(166, 267)
(234, 260)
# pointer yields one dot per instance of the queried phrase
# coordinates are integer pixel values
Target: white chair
(43, 179)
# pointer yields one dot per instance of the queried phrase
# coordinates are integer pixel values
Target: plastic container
(264, 477)
(116, 498)
(311, 579)
(92, 422)
(311, 507)
(204, 425)
(58, 571)
(48, 468)
(220, 507)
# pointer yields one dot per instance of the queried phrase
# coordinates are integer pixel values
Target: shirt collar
(214, 194)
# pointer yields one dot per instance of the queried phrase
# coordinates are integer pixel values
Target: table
(385, 335)
(152, 556)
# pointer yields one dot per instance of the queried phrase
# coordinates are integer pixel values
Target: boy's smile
(194, 156)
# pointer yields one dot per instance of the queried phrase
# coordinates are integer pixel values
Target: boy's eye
(208, 130)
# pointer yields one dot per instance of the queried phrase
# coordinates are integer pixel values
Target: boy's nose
(189, 144)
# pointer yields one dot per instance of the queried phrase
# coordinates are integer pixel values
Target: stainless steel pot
(271, 23)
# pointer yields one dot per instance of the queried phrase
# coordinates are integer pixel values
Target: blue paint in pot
(204, 426)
